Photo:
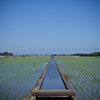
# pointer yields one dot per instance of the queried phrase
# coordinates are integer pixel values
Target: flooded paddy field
(84, 75)
(18, 76)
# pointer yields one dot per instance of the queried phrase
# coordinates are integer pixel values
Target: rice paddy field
(84, 75)
(19, 75)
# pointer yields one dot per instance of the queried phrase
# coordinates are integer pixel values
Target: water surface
(53, 80)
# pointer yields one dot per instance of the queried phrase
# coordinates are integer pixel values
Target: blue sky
(49, 26)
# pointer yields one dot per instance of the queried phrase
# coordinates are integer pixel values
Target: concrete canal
(52, 85)
(53, 80)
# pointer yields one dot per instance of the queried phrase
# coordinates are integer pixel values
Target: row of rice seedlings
(9, 85)
(86, 83)
(25, 76)
(78, 90)
(87, 94)
(21, 87)
(8, 74)
(90, 89)
(18, 83)
(12, 89)
(28, 85)
(83, 72)
(81, 88)
(11, 80)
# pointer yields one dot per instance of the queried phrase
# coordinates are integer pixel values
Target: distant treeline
(6, 54)
(95, 54)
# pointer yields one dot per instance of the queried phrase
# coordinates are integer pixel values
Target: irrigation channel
(52, 85)
(53, 80)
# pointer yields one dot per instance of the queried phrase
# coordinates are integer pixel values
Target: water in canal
(53, 80)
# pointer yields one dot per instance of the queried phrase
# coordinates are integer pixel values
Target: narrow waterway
(53, 80)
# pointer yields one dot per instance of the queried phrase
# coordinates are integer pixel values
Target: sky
(49, 26)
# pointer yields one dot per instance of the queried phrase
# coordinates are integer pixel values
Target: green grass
(84, 75)
(19, 74)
